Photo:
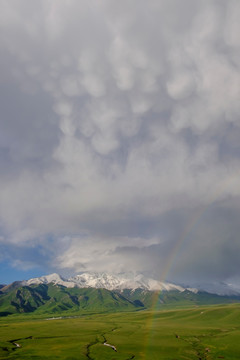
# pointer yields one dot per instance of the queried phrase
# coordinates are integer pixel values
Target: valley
(101, 316)
(202, 333)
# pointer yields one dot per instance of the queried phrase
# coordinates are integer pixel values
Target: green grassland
(201, 333)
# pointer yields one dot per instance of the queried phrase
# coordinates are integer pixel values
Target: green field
(202, 333)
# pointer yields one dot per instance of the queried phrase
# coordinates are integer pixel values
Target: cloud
(120, 123)
(91, 252)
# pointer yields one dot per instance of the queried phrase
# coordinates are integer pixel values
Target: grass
(202, 333)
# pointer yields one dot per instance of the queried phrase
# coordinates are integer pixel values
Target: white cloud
(232, 27)
(181, 86)
(70, 86)
(100, 252)
(63, 108)
(67, 126)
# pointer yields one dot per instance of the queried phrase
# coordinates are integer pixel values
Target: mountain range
(107, 281)
(100, 292)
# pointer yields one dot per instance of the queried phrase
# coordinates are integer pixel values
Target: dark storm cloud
(119, 125)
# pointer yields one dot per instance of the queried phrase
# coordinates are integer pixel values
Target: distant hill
(176, 298)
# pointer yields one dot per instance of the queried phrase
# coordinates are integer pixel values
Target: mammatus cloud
(120, 135)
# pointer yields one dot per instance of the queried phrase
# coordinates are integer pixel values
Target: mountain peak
(108, 281)
(51, 278)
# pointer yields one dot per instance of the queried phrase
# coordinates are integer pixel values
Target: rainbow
(195, 219)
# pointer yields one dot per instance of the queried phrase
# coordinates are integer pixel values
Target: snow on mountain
(52, 278)
(108, 281)
(193, 290)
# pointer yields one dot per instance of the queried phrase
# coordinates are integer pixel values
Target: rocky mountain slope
(55, 299)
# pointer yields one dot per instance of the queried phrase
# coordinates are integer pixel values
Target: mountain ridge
(99, 292)
(53, 298)
(108, 281)
(132, 281)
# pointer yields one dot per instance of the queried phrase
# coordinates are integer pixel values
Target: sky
(120, 138)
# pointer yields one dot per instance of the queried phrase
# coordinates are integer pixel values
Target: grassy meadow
(201, 333)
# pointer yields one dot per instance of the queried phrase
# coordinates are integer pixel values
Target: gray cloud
(120, 124)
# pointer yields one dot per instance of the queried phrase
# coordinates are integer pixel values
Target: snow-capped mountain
(52, 278)
(93, 292)
(122, 281)
(108, 281)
